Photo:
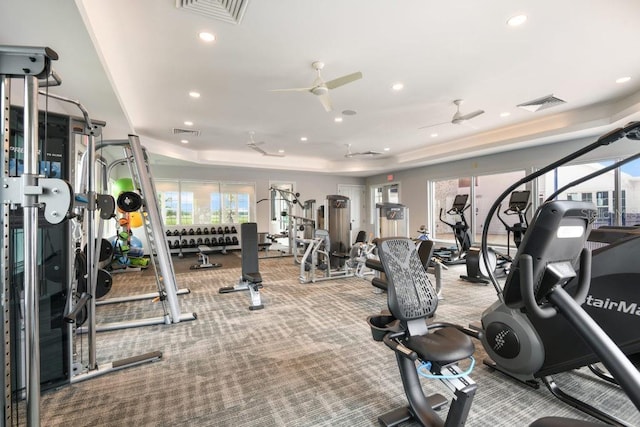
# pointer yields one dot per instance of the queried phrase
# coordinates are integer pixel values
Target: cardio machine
(519, 205)
(460, 230)
(476, 267)
(532, 348)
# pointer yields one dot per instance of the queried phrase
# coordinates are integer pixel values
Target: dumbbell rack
(188, 242)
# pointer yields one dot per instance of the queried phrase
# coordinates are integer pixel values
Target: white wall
(413, 182)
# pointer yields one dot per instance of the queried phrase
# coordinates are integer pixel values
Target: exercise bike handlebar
(394, 345)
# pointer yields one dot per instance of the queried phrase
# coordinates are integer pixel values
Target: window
(630, 186)
(444, 194)
(487, 189)
(201, 202)
(601, 187)
(168, 197)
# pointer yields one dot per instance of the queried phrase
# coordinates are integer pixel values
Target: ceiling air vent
(178, 131)
(223, 10)
(541, 103)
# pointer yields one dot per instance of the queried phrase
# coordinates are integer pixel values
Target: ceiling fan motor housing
(320, 90)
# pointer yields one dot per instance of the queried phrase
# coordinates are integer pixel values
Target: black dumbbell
(233, 230)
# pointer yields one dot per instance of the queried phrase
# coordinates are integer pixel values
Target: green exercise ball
(121, 185)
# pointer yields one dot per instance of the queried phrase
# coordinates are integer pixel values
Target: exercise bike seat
(444, 345)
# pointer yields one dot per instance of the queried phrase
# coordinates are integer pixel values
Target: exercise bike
(450, 256)
(532, 348)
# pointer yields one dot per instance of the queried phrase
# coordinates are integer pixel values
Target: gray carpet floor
(306, 359)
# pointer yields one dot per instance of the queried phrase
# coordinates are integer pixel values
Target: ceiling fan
(369, 153)
(458, 118)
(256, 146)
(320, 88)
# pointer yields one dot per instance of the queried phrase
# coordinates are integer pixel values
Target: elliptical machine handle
(526, 288)
(527, 284)
(584, 279)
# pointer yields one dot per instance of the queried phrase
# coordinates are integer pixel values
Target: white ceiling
(133, 63)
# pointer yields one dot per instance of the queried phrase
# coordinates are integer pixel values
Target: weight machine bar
(163, 255)
(30, 227)
(5, 90)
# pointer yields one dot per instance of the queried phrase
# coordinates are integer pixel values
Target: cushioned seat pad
(252, 277)
(443, 345)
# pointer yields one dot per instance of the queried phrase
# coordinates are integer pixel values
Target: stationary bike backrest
(557, 233)
(410, 294)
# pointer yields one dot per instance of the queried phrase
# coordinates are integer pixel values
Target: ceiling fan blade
(258, 149)
(295, 89)
(470, 116)
(325, 101)
(273, 155)
(340, 81)
(434, 125)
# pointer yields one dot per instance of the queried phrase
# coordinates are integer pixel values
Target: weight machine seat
(252, 277)
(425, 252)
(249, 247)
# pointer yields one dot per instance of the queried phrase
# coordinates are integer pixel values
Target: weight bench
(251, 279)
(203, 258)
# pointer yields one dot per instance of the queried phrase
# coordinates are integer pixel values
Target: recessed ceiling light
(433, 135)
(188, 123)
(387, 149)
(514, 21)
(505, 114)
(281, 151)
(184, 141)
(397, 86)
(338, 119)
(303, 139)
(206, 37)
(623, 79)
(194, 94)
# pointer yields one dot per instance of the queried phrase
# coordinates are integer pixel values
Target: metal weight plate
(106, 250)
(103, 286)
(129, 201)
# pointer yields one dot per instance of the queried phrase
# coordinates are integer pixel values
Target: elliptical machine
(519, 205)
(460, 231)
(529, 347)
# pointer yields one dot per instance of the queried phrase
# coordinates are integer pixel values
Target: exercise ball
(120, 246)
(121, 185)
(136, 249)
(135, 219)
